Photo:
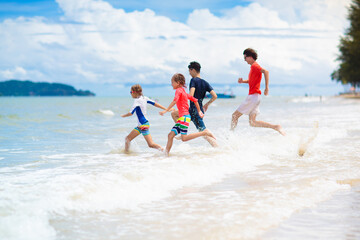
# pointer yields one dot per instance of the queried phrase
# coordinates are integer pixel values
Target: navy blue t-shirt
(201, 87)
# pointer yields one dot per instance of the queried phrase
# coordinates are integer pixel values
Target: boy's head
(194, 65)
(178, 80)
(249, 52)
(136, 90)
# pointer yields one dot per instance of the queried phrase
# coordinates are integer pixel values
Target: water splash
(305, 143)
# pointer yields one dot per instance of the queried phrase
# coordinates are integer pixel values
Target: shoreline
(350, 95)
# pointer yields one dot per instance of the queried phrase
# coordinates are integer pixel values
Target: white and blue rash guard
(139, 107)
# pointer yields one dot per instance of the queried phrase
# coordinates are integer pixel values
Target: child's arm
(195, 101)
(162, 107)
(192, 91)
(168, 108)
(201, 114)
(127, 114)
(213, 98)
(266, 74)
(240, 80)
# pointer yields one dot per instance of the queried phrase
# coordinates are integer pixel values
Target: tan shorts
(250, 105)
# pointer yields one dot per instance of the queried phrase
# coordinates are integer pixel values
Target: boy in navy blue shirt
(198, 88)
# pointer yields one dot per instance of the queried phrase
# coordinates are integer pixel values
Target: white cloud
(94, 42)
(252, 16)
(330, 14)
(17, 72)
(87, 74)
(20, 73)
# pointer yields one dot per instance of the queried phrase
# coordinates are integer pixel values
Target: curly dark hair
(249, 52)
(195, 65)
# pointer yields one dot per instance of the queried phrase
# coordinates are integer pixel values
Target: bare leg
(196, 135)
(151, 143)
(254, 123)
(171, 136)
(133, 134)
(175, 115)
(211, 140)
(234, 119)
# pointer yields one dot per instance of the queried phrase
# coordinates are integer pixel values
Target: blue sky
(176, 10)
(13, 9)
(106, 46)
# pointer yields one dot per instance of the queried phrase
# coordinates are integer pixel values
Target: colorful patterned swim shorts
(182, 125)
(143, 129)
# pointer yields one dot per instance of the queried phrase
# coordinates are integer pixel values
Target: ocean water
(64, 174)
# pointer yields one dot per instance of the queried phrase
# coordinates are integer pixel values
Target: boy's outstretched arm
(168, 108)
(266, 75)
(127, 114)
(240, 80)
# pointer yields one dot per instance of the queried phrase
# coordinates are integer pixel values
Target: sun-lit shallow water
(64, 174)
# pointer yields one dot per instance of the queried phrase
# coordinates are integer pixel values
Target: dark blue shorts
(197, 120)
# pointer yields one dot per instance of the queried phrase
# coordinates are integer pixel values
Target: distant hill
(28, 88)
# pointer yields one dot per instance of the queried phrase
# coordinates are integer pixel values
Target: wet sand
(336, 218)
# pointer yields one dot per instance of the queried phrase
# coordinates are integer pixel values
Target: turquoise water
(64, 174)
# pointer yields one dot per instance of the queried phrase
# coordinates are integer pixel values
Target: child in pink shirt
(182, 124)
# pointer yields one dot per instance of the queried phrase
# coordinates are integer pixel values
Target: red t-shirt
(255, 78)
(181, 99)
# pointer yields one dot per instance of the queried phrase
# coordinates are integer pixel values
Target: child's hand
(240, 80)
(172, 109)
(206, 107)
(266, 92)
(162, 112)
(201, 114)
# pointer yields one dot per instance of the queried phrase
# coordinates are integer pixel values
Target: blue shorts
(197, 120)
(143, 129)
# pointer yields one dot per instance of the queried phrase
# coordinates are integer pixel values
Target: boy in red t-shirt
(182, 124)
(251, 104)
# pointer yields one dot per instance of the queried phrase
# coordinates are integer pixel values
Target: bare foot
(209, 134)
(211, 140)
(280, 130)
